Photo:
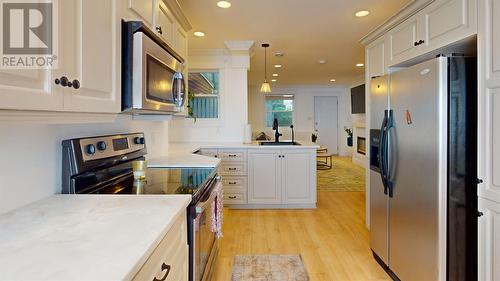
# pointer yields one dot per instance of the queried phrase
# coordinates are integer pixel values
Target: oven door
(159, 84)
(205, 243)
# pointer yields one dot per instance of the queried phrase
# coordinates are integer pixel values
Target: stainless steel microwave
(152, 79)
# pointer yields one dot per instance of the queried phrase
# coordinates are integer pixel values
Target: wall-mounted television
(358, 99)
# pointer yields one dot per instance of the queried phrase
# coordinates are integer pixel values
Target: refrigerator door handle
(388, 153)
(382, 151)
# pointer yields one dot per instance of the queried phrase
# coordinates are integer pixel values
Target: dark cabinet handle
(76, 84)
(421, 42)
(63, 81)
(232, 197)
(57, 81)
(232, 169)
(232, 155)
(70, 84)
(415, 43)
(158, 28)
(163, 268)
(232, 182)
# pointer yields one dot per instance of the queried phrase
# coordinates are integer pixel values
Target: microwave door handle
(178, 89)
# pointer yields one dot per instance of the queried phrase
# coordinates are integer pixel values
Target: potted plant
(349, 136)
(189, 106)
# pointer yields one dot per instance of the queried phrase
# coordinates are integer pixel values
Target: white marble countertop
(85, 237)
(192, 147)
(184, 159)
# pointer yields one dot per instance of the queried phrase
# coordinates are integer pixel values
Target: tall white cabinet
(489, 139)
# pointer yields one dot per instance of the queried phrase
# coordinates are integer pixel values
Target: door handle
(381, 151)
(164, 267)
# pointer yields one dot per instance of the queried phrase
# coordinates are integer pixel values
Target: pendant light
(265, 88)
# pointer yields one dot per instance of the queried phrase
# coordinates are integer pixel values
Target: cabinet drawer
(210, 152)
(234, 182)
(169, 257)
(237, 169)
(234, 198)
(233, 155)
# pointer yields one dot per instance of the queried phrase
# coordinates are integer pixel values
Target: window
(203, 98)
(281, 108)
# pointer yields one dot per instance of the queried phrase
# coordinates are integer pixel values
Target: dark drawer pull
(232, 169)
(232, 182)
(232, 197)
(163, 268)
(232, 155)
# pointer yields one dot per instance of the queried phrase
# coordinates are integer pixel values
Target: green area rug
(343, 176)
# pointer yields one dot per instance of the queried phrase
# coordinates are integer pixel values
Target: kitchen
(82, 98)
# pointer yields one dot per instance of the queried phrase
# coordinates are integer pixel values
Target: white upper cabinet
(144, 9)
(449, 21)
(91, 58)
(181, 43)
(165, 24)
(403, 40)
(441, 23)
(376, 58)
(28, 90)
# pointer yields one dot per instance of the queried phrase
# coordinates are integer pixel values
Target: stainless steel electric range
(103, 165)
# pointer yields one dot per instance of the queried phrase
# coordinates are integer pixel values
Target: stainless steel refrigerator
(423, 170)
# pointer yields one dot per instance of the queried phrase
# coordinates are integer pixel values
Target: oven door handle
(202, 206)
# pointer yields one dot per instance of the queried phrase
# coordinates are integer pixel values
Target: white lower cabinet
(282, 177)
(489, 240)
(264, 177)
(169, 261)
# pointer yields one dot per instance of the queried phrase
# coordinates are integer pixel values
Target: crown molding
(176, 10)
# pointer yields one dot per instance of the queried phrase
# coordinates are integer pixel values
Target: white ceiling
(304, 30)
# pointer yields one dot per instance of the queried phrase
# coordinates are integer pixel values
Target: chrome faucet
(277, 134)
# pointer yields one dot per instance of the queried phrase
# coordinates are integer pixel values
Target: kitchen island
(257, 176)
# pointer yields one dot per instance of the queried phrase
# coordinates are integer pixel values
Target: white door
(264, 177)
(326, 122)
(297, 177)
(90, 46)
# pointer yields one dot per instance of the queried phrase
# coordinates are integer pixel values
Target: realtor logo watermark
(29, 34)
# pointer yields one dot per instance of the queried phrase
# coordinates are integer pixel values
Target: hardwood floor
(333, 239)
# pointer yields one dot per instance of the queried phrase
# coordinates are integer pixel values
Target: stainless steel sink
(279, 143)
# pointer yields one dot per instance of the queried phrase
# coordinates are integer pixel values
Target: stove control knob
(90, 149)
(101, 145)
(139, 140)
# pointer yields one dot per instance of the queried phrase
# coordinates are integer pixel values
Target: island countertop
(85, 237)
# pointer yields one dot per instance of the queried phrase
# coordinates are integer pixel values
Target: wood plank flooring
(333, 239)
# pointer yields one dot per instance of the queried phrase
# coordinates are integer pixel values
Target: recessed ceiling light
(198, 34)
(278, 65)
(274, 80)
(275, 74)
(363, 13)
(332, 80)
(224, 4)
(360, 65)
(322, 61)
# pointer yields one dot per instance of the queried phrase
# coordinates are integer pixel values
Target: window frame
(219, 100)
(289, 97)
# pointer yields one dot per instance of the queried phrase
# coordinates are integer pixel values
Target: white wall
(233, 71)
(303, 111)
(31, 154)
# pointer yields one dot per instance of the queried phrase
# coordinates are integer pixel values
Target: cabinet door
(489, 100)
(298, 177)
(29, 90)
(449, 21)
(264, 177)
(91, 53)
(180, 43)
(375, 55)
(142, 8)
(165, 24)
(402, 40)
(489, 240)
